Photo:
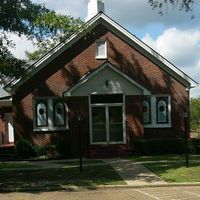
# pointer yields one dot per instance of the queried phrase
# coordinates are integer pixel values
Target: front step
(108, 151)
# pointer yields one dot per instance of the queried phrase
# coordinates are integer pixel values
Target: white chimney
(93, 8)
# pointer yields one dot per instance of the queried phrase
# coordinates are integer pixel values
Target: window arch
(59, 114)
(41, 114)
(162, 110)
(146, 111)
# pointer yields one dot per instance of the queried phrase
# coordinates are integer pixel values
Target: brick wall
(79, 59)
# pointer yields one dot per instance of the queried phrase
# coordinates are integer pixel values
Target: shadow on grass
(36, 180)
(176, 171)
(170, 157)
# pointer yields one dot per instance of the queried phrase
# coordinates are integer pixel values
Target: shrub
(159, 146)
(63, 147)
(47, 151)
(194, 146)
(24, 148)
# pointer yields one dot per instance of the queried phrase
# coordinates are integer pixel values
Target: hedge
(165, 146)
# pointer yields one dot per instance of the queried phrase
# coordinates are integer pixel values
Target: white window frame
(154, 123)
(96, 49)
(107, 129)
(50, 117)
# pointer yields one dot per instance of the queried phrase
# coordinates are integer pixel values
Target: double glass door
(107, 123)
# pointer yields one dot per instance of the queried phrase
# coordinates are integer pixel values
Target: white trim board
(103, 19)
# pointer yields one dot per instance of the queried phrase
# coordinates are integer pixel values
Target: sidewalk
(134, 174)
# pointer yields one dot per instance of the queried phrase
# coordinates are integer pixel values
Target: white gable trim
(99, 69)
(121, 32)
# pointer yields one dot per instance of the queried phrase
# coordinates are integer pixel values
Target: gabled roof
(120, 86)
(101, 18)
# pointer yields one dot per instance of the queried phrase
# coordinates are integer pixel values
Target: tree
(33, 20)
(16, 17)
(195, 114)
(57, 27)
(185, 5)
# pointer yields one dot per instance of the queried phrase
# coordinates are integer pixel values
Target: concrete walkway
(134, 174)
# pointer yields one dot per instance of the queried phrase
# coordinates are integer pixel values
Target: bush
(63, 147)
(47, 151)
(24, 148)
(159, 146)
(194, 146)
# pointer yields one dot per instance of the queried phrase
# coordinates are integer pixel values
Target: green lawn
(164, 157)
(60, 177)
(176, 171)
(15, 165)
(85, 162)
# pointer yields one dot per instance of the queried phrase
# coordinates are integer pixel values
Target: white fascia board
(106, 64)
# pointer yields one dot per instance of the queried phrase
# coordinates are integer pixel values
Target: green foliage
(56, 27)
(18, 16)
(9, 65)
(24, 148)
(194, 146)
(195, 114)
(48, 151)
(159, 146)
(63, 147)
(38, 23)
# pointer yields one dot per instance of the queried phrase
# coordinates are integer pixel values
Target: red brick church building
(121, 88)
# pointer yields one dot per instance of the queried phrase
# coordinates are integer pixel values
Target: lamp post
(80, 144)
(186, 139)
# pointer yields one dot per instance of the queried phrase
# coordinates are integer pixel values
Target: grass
(61, 177)
(176, 171)
(15, 165)
(85, 162)
(164, 157)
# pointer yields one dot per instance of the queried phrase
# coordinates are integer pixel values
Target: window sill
(157, 126)
(50, 129)
(106, 143)
(101, 57)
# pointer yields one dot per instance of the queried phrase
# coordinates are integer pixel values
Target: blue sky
(174, 35)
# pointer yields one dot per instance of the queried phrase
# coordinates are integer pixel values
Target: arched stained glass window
(162, 110)
(59, 114)
(146, 111)
(41, 114)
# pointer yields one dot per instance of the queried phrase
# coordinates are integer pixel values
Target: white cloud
(76, 8)
(22, 44)
(182, 48)
(128, 12)
(140, 13)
